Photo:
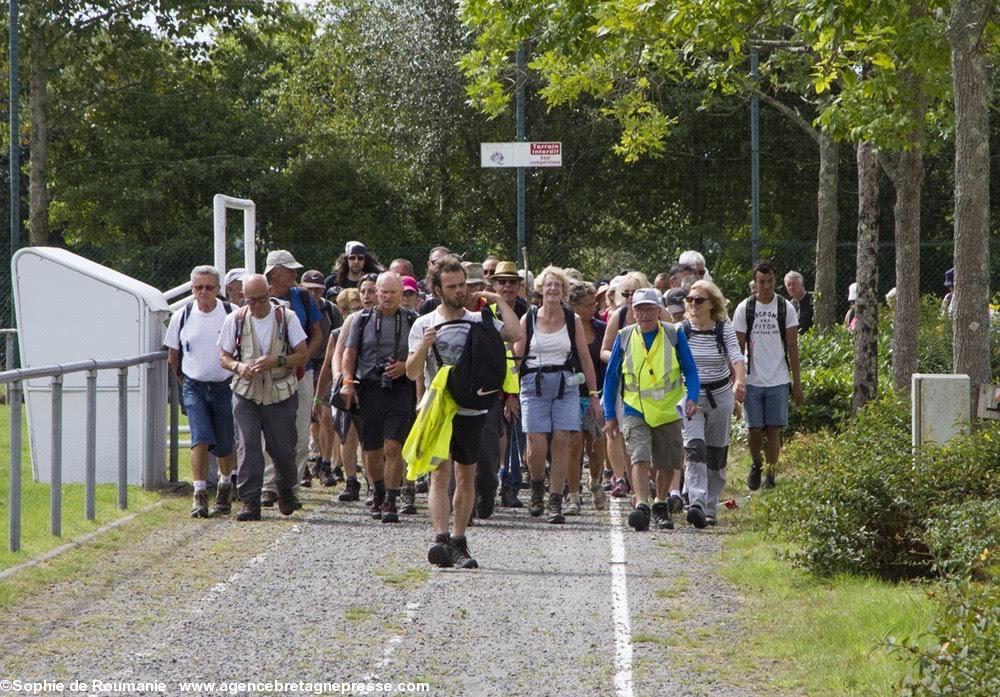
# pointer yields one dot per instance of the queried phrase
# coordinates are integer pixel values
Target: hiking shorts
(548, 412)
(385, 414)
(209, 407)
(767, 406)
(466, 434)
(662, 446)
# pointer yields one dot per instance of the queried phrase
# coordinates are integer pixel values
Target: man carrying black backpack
(450, 337)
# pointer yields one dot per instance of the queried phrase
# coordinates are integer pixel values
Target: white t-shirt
(200, 338)
(450, 343)
(262, 329)
(767, 368)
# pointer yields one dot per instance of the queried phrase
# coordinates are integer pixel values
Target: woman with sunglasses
(722, 374)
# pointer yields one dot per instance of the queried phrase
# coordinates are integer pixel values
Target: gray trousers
(276, 422)
(302, 416)
(706, 449)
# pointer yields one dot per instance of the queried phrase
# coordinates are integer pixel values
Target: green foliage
(961, 656)
(965, 539)
(858, 501)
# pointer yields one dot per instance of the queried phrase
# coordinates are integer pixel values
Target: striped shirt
(712, 366)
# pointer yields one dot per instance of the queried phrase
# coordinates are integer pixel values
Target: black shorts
(385, 414)
(466, 433)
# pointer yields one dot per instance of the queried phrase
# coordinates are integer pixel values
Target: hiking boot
(423, 484)
(251, 511)
(696, 516)
(639, 518)
(508, 498)
(753, 479)
(711, 520)
(223, 499)
(352, 491)
(199, 506)
(537, 505)
(440, 552)
(676, 504)
(389, 513)
(376, 505)
(268, 499)
(408, 500)
(288, 502)
(599, 497)
(460, 556)
(555, 509)
(325, 474)
(769, 479)
(619, 488)
(338, 474)
(314, 465)
(660, 514)
(573, 505)
(486, 504)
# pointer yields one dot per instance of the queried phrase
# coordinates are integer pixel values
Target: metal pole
(754, 160)
(9, 361)
(123, 438)
(90, 487)
(14, 92)
(522, 59)
(174, 426)
(55, 475)
(149, 478)
(14, 524)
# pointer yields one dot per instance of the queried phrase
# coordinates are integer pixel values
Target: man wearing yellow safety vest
(647, 361)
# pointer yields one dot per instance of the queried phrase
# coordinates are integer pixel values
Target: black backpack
(751, 315)
(477, 377)
(720, 326)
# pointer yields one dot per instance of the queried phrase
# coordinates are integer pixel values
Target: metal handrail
(15, 377)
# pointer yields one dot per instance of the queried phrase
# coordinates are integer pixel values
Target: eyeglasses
(203, 286)
(697, 300)
(627, 293)
(506, 281)
(355, 257)
(488, 272)
(373, 277)
(257, 299)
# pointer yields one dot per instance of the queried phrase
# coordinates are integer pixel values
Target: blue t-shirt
(303, 305)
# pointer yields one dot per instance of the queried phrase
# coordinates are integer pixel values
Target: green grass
(357, 614)
(819, 636)
(35, 537)
(407, 579)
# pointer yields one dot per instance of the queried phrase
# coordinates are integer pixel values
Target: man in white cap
(281, 271)
(647, 360)
(233, 285)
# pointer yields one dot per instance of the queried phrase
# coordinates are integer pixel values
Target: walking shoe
(486, 504)
(314, 465)
(555, 509)
(288, 502)
(351, 492)
(388, 513)
(376, 505)
(223, 499)
(639, 518)
(696, 516)
(660, 514)
(440, 552)
(307, 480)
(408, 500)
(268, 499)
(537, 505)
(619, 488)
(711, 520)
(508, 498)
(676, 504)
(573, 505)
(338, 474)
(753, 479)
(460, 556)
(607, 476)
(423, 484)
(769, 479)
(325, 474)
(251, 511)
(600, 498)
(199, 507)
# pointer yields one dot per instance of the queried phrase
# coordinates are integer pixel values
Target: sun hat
(280, 257)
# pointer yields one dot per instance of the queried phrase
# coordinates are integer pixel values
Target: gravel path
(334, 596)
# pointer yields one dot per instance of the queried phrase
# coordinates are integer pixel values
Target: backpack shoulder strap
(686, 326)
(720, 339)
(241, 316)
(622, 316)
(751, 313)
(185, 313)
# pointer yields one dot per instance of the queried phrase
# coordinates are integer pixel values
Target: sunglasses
(697, 300)
(370, 277)
(202, 286)
(506, 281)
(626, 293)
(355, 257)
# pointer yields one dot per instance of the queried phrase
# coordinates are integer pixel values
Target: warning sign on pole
(521, 154)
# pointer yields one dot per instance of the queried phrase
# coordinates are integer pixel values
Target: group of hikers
(480, 380)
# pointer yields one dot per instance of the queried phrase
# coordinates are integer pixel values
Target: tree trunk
(825, 296)
(866, 307)
(971, 325)
(39, 156)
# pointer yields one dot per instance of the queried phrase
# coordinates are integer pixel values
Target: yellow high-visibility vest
(429, 443)
(651, 380)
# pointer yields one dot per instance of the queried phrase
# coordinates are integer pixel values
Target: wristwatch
(281, 361)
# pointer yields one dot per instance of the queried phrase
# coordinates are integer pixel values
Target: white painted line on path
(619, 602)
